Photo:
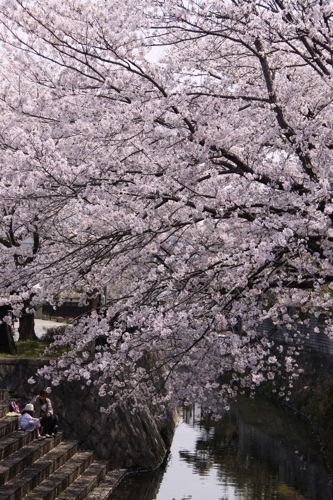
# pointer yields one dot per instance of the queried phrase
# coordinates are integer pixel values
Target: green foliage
(298, 401)
(312, 395)
(320, 407)
(28, 348)
(34, 348)
(166, 434)
(50, 333)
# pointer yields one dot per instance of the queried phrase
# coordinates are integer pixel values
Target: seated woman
(44, 411)
(28, 423)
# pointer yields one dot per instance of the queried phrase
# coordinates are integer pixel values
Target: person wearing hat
(28, 423)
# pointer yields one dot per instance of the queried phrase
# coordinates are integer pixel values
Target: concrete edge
(25, 361)
(107, 486)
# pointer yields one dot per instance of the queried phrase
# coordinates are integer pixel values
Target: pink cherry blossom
(196, 188)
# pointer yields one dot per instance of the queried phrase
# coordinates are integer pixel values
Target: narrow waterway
(256, 451)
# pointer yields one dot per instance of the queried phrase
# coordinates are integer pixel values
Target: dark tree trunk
(27, 327)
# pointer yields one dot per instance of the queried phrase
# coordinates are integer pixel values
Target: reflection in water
(255, 451)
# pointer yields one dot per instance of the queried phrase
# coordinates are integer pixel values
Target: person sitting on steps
(44, 411)
(28, 423)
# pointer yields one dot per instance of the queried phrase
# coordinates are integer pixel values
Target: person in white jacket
(28, 423)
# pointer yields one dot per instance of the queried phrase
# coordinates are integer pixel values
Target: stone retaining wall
(128, 441)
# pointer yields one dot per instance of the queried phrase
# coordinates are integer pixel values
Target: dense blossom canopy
(180, 154)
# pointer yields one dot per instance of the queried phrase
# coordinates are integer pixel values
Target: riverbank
(312, 398)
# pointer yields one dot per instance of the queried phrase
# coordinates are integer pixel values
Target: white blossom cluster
(197, 187)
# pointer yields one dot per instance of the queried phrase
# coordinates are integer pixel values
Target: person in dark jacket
(44, 411)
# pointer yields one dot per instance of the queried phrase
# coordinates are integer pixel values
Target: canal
(256, 451)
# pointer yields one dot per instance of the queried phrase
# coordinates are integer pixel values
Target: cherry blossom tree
(196, 185)
(19, 222)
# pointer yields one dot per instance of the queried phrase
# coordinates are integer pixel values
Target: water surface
(255, 451)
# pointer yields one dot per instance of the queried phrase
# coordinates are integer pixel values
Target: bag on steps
(15, 408)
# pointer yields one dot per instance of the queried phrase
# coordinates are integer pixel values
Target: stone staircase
(49, 469)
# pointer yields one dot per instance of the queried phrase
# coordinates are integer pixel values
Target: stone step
(84, 484)
(8, 425)
(3, 394)
(4, 407)
(106, 487)
(13, 442)
(20, 485)
(27, 455)
(63, 477)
